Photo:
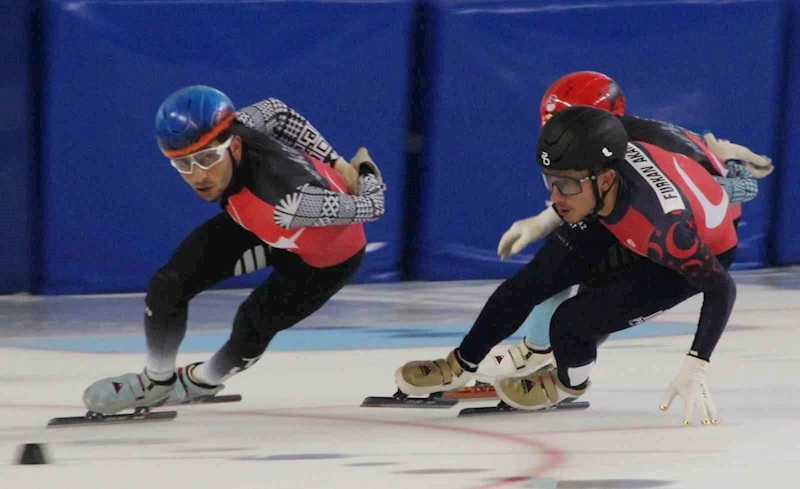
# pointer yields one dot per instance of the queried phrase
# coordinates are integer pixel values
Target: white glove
(759, 165)
(362, 158)
(524, 232)
(690, 384)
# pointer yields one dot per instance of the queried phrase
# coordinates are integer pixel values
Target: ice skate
(130, 391)
(140, 393)
(517, 361)
(136, 392)
(425, 378)
(420, 378)
(537, 391)
(189, 391)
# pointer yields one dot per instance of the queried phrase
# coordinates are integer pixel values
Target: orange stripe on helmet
(203, 141)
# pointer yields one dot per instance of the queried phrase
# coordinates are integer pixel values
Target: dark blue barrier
(786, 242)
(690, 63)
(115, 209)
(16, 231)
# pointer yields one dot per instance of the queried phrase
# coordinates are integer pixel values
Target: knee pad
(165, 293)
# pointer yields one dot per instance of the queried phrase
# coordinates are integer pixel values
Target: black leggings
(637, 293)
(220, 249)
(615, 300)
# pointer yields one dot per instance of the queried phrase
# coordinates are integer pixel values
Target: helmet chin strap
(600, 199)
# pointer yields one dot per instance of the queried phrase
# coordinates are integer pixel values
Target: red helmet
(582, 88)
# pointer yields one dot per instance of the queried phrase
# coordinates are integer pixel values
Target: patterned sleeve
(311, 206)
(289, 127)
(680, 248)
(739, 184)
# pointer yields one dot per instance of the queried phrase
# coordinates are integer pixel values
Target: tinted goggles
(565, 185)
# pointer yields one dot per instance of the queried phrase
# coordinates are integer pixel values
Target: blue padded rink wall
(786, 242)
(16, 213)
(344, 65)
(672, 60)
(94, 208)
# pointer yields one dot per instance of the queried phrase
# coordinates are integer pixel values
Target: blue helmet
(191, 118)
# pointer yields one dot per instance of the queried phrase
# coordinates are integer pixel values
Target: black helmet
(581, 138)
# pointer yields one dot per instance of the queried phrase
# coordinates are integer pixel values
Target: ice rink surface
(300, 426)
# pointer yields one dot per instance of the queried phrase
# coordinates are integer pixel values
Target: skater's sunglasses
(205, 159)
(565, 185)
